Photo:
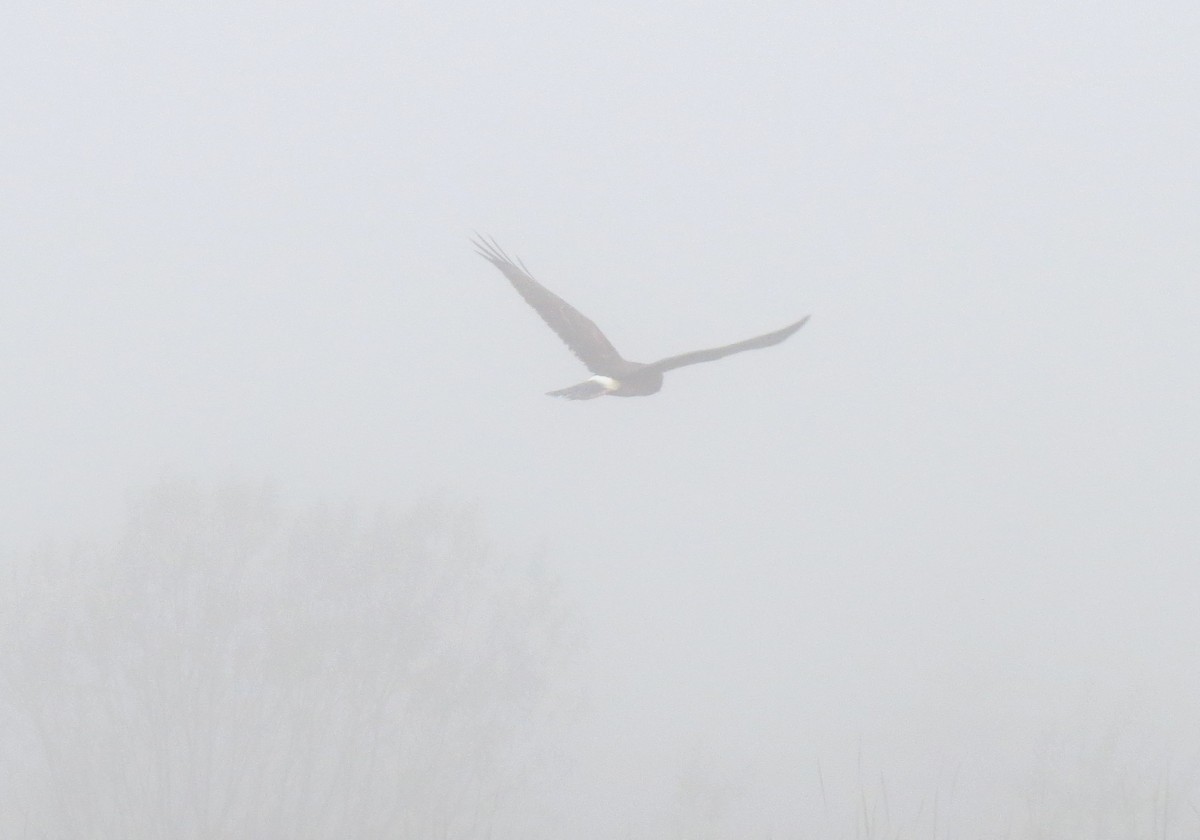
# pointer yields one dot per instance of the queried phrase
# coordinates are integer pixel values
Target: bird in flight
(613, 375)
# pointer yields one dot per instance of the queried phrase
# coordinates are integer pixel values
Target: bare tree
(228, 669)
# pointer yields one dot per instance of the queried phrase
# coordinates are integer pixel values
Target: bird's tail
(587, 390)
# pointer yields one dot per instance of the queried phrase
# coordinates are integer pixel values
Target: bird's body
(639, 381)
(614, 375)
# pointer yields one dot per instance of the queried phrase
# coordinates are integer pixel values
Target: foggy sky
(945, 535)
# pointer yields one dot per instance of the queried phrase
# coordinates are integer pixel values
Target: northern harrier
(614, 375)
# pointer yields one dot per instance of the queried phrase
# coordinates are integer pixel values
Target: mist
(292, 542)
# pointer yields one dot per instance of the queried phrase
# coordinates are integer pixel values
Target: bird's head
(608, 382)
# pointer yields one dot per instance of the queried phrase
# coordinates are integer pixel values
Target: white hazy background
(928, 569)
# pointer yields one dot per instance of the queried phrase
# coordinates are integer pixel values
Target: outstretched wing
(697, 356)
(575, 329)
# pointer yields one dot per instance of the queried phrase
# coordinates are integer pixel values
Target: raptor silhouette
(614, 375)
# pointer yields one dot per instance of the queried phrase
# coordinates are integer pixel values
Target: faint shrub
(1110, 788)
(229, 669)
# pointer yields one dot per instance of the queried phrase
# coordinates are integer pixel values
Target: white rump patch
(608, 382)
